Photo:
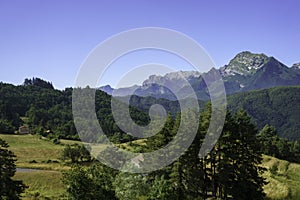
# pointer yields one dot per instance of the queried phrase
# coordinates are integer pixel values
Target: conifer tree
(9, 189)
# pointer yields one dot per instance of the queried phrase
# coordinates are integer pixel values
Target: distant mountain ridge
(276, 106)
(246, 71)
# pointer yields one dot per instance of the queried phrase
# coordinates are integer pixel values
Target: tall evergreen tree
(9, 189)
(248, 182)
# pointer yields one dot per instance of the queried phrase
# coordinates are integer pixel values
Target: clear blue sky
(51, 39)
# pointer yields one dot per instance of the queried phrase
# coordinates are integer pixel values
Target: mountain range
(276, 106)
(246, 71)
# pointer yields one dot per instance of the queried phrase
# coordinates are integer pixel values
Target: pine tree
(9, 189)
(266, 138)
(248, 182)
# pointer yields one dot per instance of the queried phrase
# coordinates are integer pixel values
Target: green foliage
(9, 188)
(76, 153)
(278, 147)
(48, 110)
(38, 82)
(230, 170)
(94, 182)
(6, 126)
(278, 107)
(131, 186)
(161, 189)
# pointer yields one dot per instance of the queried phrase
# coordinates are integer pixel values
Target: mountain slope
(246, 71)
(272, 73)
(277, 106)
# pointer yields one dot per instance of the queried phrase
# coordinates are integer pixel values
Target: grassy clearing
(42, 184)
(33, 151)
(283, 178)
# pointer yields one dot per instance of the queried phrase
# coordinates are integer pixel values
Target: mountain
(174, 80)
(296, 67)
(158, 86)
(246, 71)
(107, 89)
(276, 106)
(272, 73)
(244, 63)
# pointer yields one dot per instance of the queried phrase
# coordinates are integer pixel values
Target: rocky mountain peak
(172, 76)
(244, 63)
(296, 66)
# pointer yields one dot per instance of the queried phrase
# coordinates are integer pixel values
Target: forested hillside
(43, 108)
(277, 106)
(48, 111)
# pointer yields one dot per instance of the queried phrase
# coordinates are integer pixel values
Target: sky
(52, 39)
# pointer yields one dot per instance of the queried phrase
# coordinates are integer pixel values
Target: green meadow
(44, 182)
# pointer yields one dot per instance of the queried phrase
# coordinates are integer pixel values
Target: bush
(76, 153)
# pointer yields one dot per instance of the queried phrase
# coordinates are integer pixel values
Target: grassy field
(39, 153)
(42, 184)
(283, 176)
(35, 152)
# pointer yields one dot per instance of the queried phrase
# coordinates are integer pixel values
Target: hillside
(48, 111)
(278, 106)
(283, 178)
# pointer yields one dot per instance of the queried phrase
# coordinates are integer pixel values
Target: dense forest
(231, 170)
(278, 106)
(48, 111)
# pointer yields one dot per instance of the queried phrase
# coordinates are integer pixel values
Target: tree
(266, 137)
(248, 181)
(131, 186)
(9, 189)
(6, 126)
(94, 182)
(161, 189)
(76, 153)
(273, 145)
(232, 169)
(78, 184)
